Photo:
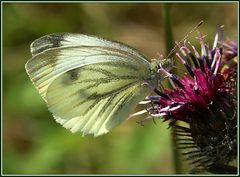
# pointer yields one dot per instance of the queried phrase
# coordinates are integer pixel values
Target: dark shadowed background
(34, 143)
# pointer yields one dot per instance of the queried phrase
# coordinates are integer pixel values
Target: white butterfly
(89, 84)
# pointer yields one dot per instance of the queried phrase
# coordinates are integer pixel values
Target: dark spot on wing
(70, 77)
(47, 42)
(73, 74)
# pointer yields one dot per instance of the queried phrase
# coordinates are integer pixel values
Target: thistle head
(205, 98)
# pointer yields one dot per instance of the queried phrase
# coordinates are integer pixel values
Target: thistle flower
(230, 50)
(206, 100)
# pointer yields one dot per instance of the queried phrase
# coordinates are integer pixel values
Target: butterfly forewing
(89, 84)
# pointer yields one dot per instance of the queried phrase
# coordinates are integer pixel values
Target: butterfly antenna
(199, 24)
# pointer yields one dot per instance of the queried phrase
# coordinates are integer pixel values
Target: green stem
(167, 27)
(169, 46)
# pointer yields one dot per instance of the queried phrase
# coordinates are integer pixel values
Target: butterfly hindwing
(95, 98)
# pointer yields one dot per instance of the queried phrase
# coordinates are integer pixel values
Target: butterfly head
(157, 66)
(166, 64)
(163, 63)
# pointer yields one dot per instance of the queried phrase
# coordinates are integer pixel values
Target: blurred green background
(33, 143)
